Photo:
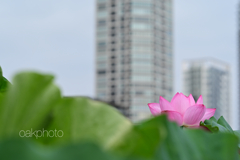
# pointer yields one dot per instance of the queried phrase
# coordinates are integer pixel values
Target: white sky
(57, 36)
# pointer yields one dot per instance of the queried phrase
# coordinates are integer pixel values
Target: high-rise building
(211, 79)
(134, 53)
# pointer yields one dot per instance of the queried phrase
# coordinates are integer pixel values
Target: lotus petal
(180, 103)
(154, 108)
(208, 114)
(194, 114)
(200, 100)
(174, 116)
(165, 105)
(191, 100)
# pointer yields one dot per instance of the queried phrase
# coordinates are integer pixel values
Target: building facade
(134, 53)
(211, 79)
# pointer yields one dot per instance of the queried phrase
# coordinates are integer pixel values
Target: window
(149, 93)
(144, 34)
(142, 70)
(141, 19)
(141, 100)
(141, 26)
(101, 6)
(146, 56)
(141, 11)
(101, 35)
(101, 58)
(141, 4)
(101, 71)
(138, 48)
(101, 87)
(101, 29)
(143, 56)
(101, 44)
(102, 14)
(101, 50)
(139, 92)
(102, 65)
(143, 62)
(101, 22)
(101, 0)
(101, 95)
(142, 41)
(141, 78)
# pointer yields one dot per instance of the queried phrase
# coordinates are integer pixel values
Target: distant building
(211, 79)
(134, 54)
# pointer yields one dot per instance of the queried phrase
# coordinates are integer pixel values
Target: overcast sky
(57, 36)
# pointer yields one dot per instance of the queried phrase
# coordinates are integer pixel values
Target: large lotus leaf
(216, 126)
(143, 139)
(177, 145)
(27, 103)
(170, 142)
(225, 124)
(237, 133)
(84, 119)
(220, 146)
(189, 144)
(27, 150)
(156, 135)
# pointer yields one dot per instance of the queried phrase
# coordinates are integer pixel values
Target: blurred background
(126, 52)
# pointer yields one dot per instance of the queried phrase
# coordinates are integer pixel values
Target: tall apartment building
(211, 79)
(134, 55)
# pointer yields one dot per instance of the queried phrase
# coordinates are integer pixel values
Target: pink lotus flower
(183, 110)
